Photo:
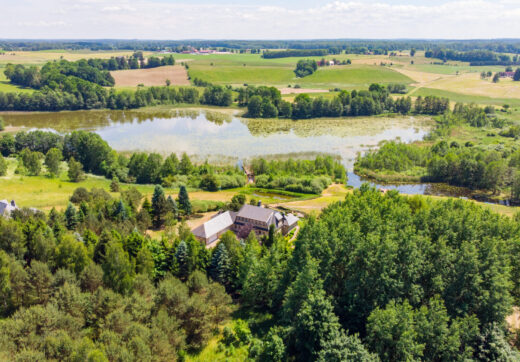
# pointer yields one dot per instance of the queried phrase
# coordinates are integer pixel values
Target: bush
(209, 182)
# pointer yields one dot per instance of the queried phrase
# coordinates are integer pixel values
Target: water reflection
(211, 135)
(437, 189)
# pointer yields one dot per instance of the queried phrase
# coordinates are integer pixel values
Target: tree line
(86, 95)
(266, 102)
(362, 46)
(294, 53)
(474, 57)
(89, 153)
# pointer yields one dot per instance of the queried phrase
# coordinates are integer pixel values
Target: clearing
(177, 75)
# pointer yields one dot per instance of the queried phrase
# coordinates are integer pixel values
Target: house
(213, 229)
(7, 207)
(249, 218)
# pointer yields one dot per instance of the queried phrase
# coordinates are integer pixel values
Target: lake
(221, 136)
(218, 136)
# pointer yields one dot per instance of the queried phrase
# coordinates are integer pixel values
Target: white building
(7, 207)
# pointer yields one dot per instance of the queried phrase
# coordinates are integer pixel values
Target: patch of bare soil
(151, 77)
(301, 90)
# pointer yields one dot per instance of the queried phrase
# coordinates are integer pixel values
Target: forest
(377, 277)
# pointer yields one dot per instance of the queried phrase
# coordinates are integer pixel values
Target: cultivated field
(424, 76)
(41, 57)
(151, 77)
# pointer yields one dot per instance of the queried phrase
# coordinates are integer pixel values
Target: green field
(348, 77)
(466, 98)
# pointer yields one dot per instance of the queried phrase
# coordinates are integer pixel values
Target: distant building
(250, 218)
(506, 74)
(7, 207)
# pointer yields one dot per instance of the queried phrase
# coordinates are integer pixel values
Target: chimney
(13, 204)
(259, 203)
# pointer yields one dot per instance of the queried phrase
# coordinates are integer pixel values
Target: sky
(267, 19)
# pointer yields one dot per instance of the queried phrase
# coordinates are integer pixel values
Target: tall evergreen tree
(158, 206)
(181, 257)
(120, 212)
(219, 267)
(184, 200)
(71, 217)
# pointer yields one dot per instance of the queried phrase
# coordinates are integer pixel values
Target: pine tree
(71, 217)
(171, 206)
(120, 212)
(184, 200)
(219, 267)
(181, 256)
(158, 206)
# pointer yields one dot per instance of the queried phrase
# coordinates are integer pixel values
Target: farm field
(424, 76)
(176, 74)
(42, 57)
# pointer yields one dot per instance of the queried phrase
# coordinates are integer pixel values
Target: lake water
(224, 137)
(219, 136)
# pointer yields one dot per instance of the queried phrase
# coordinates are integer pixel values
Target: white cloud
(334, 19)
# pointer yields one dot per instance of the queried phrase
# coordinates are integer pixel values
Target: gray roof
(256, 213)
(290, 219)
(215, 225)
(6, 207)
